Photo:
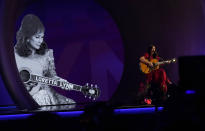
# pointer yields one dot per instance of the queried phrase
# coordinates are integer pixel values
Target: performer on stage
(156, 79)
(31, 53)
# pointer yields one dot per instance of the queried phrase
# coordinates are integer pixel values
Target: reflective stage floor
(12, 112)
(100, 117)
(79, 118)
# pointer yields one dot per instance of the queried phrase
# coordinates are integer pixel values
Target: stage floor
(12, 112)
(100, 118)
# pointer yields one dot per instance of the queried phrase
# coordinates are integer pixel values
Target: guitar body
(146, 69)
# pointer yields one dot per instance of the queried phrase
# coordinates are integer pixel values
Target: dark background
(103, 28)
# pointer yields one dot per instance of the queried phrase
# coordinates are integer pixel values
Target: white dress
(42, 65)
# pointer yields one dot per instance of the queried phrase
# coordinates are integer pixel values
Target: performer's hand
(35, 89)
(169, 61)
(29, 85)
(62, 80)
(150, 64)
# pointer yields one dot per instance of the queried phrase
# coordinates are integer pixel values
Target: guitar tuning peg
(87, 84)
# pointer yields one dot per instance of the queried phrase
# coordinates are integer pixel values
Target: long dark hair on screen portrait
(30, 25)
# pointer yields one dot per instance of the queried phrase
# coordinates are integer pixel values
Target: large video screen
(67, 52)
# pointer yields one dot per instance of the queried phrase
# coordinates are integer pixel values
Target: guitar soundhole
(25, 75)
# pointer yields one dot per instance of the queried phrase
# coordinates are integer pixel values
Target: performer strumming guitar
(155, 75)
(35, 63)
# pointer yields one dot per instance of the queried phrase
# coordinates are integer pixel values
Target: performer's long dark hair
(150, 49)
(30, 25)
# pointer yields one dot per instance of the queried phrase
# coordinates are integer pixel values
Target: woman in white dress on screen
(31, 53)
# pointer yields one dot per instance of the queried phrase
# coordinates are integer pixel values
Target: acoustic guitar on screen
(91, 91)
(156, 63)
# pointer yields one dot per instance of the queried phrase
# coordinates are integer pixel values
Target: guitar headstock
(91, 91)
(174, 60)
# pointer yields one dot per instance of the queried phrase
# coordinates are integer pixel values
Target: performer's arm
(145, 61)
(51, 69)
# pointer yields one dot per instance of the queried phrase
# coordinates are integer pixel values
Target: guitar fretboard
(162, 62)
(54, 82)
